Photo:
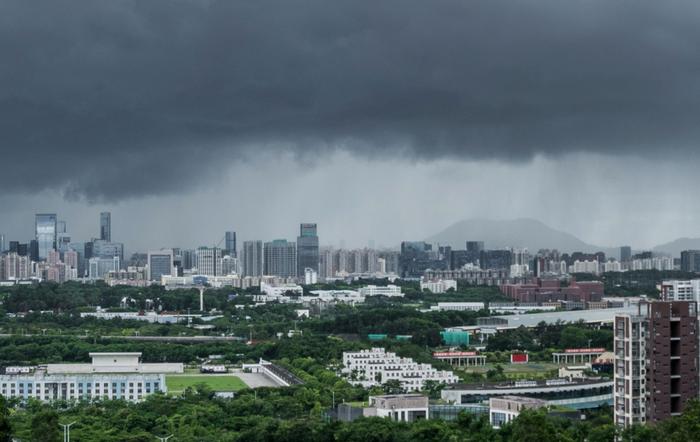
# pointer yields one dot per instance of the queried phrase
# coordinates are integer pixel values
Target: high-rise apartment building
(70, 258)
(188, 258)
(16, 266)
(325, 263)
(209, 261)
(625, 254)
(678, 290)
(159, 263)
(307, 248)
(495, 259)
(656, 361)
(280, 258)
(230, 248)
(106, 226)
(475, 246)
(45, 229)
(690, 261)
(253, 258)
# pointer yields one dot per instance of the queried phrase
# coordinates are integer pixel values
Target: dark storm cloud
(113, 99)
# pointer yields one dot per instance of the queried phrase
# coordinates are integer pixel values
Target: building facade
(656, 361)
(307, 249)
(45, 230)
(253, 258)
(230, 242)
(109, 376)
(159, 263)
(106, 226)
(690, 261)
(280, 258)
(375, 367)
(209, 261)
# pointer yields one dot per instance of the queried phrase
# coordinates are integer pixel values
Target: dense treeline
(553, 336)
(392, 320)
(299, 413)
(634, 283)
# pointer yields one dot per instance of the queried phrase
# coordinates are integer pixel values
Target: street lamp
(164, 438)
(66, 431)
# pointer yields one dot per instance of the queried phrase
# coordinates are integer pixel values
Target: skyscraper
(209, 261)
(2, 242)
(45, 233)
(307, 248)
(106, 226)
(159, 263)
(280, 258)
(475, 246)
(625, 254)
(62, 237)
(106, 249)
(253, 258)
(690, 261)
(230, 241)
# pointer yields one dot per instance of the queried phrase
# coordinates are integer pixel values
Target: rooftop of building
(606, 315)
(522, 399)
(549, 383)
(112, 362)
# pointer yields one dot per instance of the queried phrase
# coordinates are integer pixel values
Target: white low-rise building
(373, 290)
(109, 376)
(504, 409)
(398, 407)
(370, 368)
(280, 289)
(458, 306)
(336, 296)
(438, 286)
(151, 316)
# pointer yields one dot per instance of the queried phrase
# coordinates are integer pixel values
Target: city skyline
(351, 220)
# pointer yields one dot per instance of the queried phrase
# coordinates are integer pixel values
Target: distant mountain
(523, 232)
(674, 248)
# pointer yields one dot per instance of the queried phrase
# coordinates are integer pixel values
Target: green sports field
(178, 383)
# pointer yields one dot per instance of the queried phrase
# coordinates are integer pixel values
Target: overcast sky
(379, 120)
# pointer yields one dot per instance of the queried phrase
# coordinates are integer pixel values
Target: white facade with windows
(399, 407)
(677, 290)
(109, 376)
(277, 290)
(504, 409)
(438, 286)
(373, 290)
(629, 391)
(370, 368)
(458, 306)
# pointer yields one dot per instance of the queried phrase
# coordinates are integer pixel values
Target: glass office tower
(45, 231)
(307, 248)
(106, 226)
(230, 245)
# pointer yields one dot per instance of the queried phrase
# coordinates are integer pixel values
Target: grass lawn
(517, 371)
(178, 383)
